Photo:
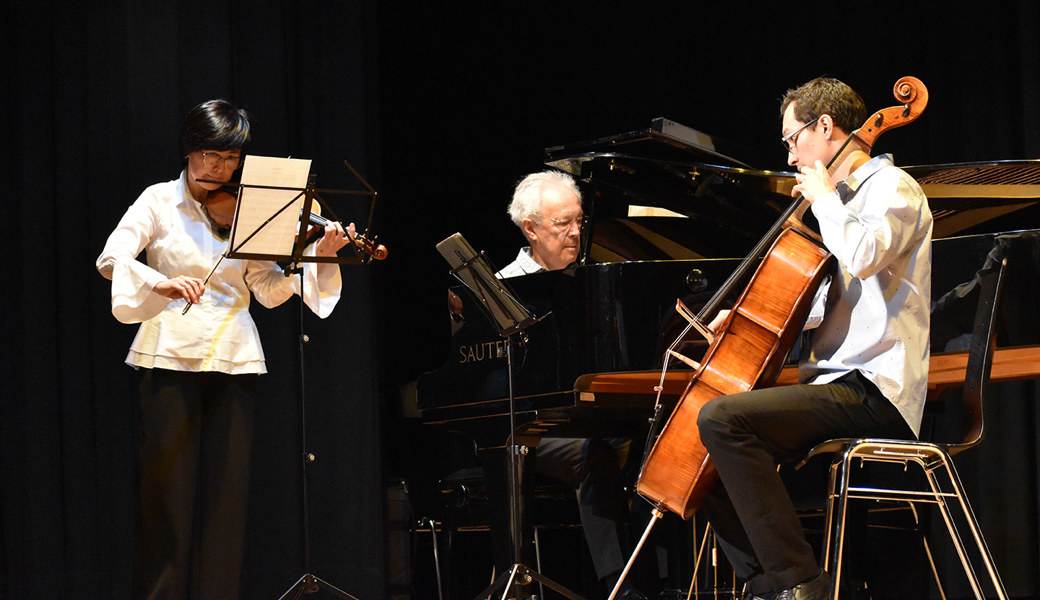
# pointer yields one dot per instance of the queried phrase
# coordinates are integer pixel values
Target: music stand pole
(515, 473)
(308, 583)
(519, 573)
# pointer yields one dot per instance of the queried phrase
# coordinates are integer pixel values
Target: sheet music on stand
(474, 271)
(269, 205)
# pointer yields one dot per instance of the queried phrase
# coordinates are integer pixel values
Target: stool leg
(538, 559)
(436, 558)
(697, 561)
(836, 522)
(969, 516)
(828, 514)
(927, 551)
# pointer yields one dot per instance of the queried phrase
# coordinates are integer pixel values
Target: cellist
(866, 369)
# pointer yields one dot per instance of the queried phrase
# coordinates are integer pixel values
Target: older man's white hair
(527, 197)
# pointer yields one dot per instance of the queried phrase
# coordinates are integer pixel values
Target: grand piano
(668, 216)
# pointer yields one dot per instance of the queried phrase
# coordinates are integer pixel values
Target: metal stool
(944, 489)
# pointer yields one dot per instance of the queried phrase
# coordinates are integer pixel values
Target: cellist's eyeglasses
(790, 140)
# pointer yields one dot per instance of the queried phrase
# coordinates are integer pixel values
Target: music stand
(265, 228)
(510, 318)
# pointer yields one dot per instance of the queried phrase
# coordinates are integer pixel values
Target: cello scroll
(913, 98)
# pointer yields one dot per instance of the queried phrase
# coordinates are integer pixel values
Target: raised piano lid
(708, 205)
(717, 206)
(665, 140)
(981, 197)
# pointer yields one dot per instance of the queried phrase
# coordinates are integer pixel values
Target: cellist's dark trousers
(748, 435)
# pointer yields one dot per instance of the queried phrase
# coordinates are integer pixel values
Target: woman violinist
(198, 371)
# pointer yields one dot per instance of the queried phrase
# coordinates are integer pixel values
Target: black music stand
(291, 264)
(511, 318)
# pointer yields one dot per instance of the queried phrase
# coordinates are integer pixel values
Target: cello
(750, 347)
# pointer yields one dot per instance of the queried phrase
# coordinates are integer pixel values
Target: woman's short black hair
(214, 125)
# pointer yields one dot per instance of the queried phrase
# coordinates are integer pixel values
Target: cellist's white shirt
(875, 312)
(217, 334)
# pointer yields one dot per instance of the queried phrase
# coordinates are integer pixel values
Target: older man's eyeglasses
(213, 159)
(562, 225)
(790, 140)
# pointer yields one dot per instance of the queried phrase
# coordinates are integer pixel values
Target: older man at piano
(546, 206)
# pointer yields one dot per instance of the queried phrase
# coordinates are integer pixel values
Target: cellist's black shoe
(630, 594)
(817, 588)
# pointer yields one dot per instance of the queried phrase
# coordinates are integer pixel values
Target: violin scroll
(369, 247)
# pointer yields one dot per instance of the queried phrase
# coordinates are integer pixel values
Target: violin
(220, 205)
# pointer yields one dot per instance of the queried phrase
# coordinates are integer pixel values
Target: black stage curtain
(443, 107)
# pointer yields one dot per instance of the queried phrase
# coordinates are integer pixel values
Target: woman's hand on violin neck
(335, 238)
(188, 288)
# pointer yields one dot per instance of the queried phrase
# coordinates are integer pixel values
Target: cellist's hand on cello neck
(813, 182)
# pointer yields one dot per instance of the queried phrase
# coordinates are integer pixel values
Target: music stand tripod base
(507, 580)
(309, 584)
